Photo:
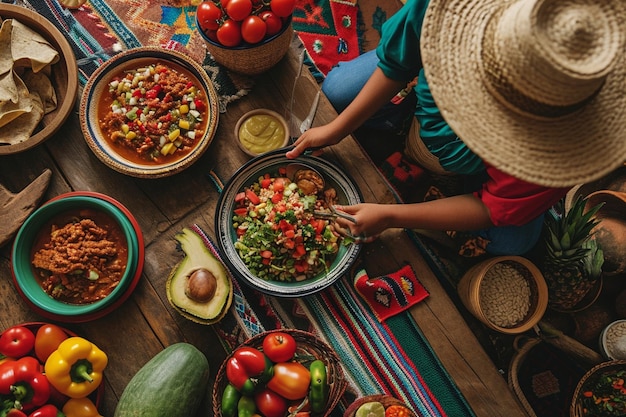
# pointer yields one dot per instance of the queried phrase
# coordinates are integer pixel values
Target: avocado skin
(197, 256)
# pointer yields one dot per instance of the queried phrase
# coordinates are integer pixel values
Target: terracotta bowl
(64, 77)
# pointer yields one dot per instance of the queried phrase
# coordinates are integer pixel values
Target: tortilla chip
(6, 58)
(10, 110)
(40, 83)
(8, 90)
(23, 127)
(30, 48)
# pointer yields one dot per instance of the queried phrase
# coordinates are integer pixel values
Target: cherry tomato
(238, 9)
(291, 380)
(229, 34)
(17, 342)
(208, 15)
(279, 346)
(270, 404)
(272, 21)
(253, 29)
(47, 340)
(282, 8)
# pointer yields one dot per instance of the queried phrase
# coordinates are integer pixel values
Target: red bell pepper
(246, 368)
(48, 410)
(24, 383)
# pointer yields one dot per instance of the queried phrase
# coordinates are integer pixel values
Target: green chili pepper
(230, 400)
(318, 392)
(246, 407)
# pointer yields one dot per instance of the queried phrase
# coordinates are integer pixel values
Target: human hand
(370, 221)
(314, 138)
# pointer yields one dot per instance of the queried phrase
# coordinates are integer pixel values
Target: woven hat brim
(562, 152)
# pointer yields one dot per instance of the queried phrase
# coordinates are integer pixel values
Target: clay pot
(610, 233)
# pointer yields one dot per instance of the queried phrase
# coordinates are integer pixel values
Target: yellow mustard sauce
(261, 133)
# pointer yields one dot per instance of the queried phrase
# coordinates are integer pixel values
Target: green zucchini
(171, 384)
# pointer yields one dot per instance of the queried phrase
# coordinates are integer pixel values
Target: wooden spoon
(15, 208)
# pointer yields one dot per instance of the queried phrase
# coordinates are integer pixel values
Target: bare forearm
(377, 91)
(461, 213)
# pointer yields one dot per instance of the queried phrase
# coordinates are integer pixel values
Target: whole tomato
(47, 340)
(282, 8)
(17, 342)
(272, 21)
(229, 33)
(238, 9)
(291, 380)
(209, 15)
(270, 404)
(253, 29)
(279, 346)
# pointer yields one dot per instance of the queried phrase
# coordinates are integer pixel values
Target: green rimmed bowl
(272, 162)
(29, 286)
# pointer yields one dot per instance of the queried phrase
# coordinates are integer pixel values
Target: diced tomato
(266, 254)
(301, 266)
(151, 94)
(285, 225)
(280, 207)
(241, 231)
(266, 261)
(137, 93)
(251, 195)
(279, 185)
(241, 211)
(276, 197)
(240, 197)
(289, 233)
(289, 243)
(199, 105)
(299, 251)
(265, 182)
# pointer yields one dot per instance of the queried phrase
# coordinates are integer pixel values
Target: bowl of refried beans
(77, 257)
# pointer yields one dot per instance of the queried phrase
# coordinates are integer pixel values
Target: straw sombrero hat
(536, 88)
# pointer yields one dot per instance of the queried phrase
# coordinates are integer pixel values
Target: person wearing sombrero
(528, 94)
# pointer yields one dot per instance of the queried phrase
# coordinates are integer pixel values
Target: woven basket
(309, 347)
(469, 292)
(576, 408)
(385, 400)
(252, 59)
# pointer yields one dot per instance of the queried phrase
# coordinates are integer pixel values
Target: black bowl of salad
(268, 230)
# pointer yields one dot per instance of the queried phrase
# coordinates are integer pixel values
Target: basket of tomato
(246, 36)
(46, 370)
(279, 373)
(379, 405)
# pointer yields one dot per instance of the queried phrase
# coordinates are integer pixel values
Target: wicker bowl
(252, 59)
(309, 348)
(590, 381)
(386, 400)
(502, 308)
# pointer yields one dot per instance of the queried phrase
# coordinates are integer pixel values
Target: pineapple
(572, 261)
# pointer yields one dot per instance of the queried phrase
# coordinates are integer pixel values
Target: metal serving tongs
(334, 213)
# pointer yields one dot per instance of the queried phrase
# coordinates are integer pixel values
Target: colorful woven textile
(392, 357)
(99, 29)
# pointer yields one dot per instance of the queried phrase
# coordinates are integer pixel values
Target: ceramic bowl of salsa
(77, 257)
(149, 112)
(261, 130)
(294, 278)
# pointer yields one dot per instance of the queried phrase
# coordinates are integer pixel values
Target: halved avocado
(199, 286)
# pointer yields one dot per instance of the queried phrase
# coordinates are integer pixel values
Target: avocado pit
(201, 285)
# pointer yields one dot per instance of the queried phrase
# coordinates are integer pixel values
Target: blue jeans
(345, 81)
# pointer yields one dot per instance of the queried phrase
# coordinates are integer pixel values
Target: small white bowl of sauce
(260, 131)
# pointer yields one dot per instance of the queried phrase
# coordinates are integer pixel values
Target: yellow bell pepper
(75, 368)
(80, 407)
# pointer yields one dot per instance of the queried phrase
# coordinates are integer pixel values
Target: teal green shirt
(400, 59)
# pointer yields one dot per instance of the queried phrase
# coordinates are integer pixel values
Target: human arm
(461, 213)
(377, 91)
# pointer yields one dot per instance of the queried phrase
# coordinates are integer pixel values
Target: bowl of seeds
(506, 293)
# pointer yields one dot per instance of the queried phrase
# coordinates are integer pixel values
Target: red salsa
(80, 256)
(153, 114)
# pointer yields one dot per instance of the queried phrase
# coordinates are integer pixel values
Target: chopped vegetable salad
(278, 238)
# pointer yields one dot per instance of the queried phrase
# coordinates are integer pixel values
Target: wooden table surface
(146, 323)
